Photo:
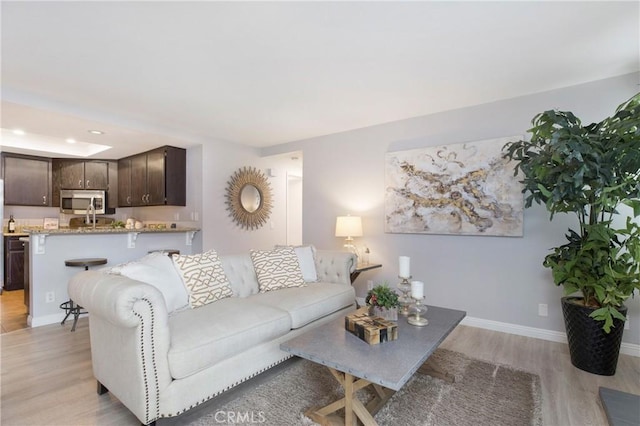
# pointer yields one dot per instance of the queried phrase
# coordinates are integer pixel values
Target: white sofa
(161, 365)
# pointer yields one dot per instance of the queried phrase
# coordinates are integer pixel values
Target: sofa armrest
(130, 338)
(113, 297)
(334, 266)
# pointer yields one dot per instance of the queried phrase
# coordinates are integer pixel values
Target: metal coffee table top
(389, 364)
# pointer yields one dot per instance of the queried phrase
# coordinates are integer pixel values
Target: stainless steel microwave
(77, 201)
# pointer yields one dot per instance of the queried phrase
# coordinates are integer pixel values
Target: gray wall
(219, 161)
(492, 278)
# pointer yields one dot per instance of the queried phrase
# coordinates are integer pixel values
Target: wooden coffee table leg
(382, 396)
(354, 409)
(433, 369)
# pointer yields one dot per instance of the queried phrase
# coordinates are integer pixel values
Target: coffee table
(386, 367)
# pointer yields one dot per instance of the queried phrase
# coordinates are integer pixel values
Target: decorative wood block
(371, 329)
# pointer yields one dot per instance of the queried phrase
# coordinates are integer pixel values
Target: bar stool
(69, 306)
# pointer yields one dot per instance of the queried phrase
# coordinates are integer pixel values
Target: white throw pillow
(307, 261)
(203, 277)
(157, 270)
(277, 268)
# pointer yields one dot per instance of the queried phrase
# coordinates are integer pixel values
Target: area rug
(483, 394)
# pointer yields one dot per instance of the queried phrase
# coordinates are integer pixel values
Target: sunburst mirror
(249, 198)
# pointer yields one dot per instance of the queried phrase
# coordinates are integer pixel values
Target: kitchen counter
(50, 248)
(101, 230)
(15, 234)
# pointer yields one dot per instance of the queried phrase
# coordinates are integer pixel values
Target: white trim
(49, 319)
(537, 333)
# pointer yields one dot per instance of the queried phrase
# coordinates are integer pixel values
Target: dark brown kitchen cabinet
(153, 178)
(79, 174)
(27, 284)
(124, 183)
(96, 175)
(112, 192)
(68, 174)
(74, 174)
(13, 263)
(27, 180)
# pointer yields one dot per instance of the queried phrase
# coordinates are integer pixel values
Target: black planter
(590, 347)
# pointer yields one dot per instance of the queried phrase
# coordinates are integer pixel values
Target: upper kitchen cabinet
(153, 178)
(82, 174)
(27, 180)
(124, 183)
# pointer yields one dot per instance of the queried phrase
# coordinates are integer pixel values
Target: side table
(361, 267)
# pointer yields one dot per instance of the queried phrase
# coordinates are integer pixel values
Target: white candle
(404, 267)
(417, 289)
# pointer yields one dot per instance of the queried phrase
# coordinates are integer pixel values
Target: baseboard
(537, 333)
(46, 320)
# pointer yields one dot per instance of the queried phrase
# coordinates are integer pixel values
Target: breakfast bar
(49, 248)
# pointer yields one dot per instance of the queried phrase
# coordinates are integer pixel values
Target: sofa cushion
(203, 277)
(277, 268)
(307, 304)
(157, 270)
(203, 337)
(241, 275)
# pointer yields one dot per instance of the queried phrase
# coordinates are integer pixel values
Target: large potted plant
(590, 171)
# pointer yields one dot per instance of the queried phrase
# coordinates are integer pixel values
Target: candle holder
(405, 300)
(417, 313)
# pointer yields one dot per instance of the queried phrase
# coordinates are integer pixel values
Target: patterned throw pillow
(307, 261)
(277, 268)
(203, 277)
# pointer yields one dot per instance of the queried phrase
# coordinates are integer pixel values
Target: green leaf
(544, 191)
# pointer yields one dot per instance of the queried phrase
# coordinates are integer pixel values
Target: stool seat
(86, 262)
(69, 306)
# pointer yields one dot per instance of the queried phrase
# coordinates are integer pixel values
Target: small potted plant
(383, 302)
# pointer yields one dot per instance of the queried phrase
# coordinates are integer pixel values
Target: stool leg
(72, 309)
(68, 310)
(75, 320)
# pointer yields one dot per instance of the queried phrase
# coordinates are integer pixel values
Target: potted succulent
(383, 302)
(590, 171)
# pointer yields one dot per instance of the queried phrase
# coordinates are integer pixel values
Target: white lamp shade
(348, 226)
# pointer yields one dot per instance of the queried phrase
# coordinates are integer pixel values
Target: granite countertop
(100, 230)
(15, 234)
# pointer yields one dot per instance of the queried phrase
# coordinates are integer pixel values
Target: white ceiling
(264, 73)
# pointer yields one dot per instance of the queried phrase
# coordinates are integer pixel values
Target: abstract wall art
(460, 189)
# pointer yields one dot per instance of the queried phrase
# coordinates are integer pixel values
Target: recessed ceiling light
(18, 132)
(96, 132)
(71, 141)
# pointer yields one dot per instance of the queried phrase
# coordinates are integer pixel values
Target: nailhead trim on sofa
(153, 362)
(229, 387)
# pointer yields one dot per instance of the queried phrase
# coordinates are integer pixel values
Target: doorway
(294, 209)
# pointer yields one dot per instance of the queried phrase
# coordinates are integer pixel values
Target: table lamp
(349, 227)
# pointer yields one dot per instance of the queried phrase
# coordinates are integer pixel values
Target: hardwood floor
(13, 312)
(47, 378)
